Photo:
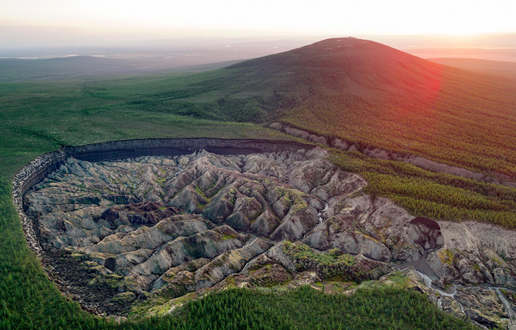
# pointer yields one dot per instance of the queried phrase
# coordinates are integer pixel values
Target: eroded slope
(156, 228)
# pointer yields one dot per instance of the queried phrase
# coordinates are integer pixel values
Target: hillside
(364, 92)
(390, 99)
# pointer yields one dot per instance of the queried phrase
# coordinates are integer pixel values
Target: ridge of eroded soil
(120, 233)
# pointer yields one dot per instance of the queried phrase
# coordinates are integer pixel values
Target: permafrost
(131, 220)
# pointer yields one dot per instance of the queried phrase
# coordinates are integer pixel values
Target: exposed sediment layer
(27, 177)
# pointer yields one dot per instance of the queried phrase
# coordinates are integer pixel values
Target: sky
(82, 22)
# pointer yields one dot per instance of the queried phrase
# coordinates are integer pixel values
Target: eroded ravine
(122, 233)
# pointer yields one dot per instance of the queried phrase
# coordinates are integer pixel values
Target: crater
(117, 229)
(140, 224)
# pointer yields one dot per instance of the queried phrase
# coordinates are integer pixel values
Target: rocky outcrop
(374, 227)
(475, 253)
(331, 264)
(39, 168)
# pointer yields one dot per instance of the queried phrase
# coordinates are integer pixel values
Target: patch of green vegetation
(331, 257)
(205, 200)
(161, 181)
(111, 281)
(291, 198)
(226, 236)
(398, 279)
(446, 256)
(199, 191)
(124, 298)
(231, 197)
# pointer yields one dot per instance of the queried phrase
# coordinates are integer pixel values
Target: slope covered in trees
(364, 92)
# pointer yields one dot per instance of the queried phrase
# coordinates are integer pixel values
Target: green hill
(365, 92)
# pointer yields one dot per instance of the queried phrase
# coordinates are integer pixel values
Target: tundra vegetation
(466, 120)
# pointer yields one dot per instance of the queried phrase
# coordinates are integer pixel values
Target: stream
(319, 215)
(509, 310)
(321, 220)
(428, 283)
(506, 303)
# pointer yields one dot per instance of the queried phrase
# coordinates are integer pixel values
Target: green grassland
(38, 117)
(42, 116)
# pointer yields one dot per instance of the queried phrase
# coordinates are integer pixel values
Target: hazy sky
(58, 22)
